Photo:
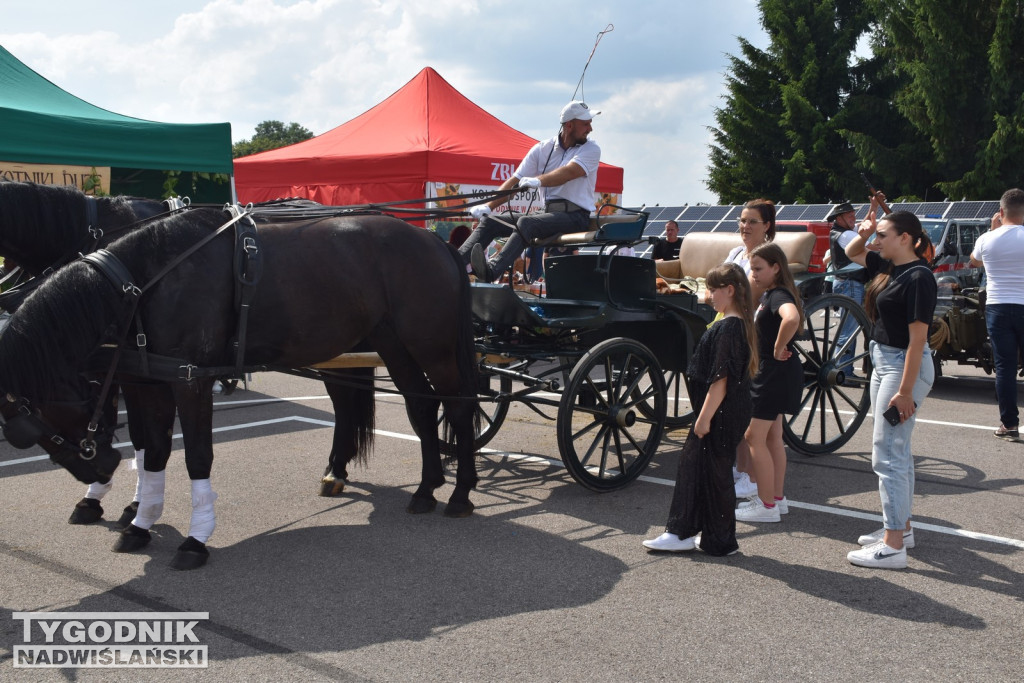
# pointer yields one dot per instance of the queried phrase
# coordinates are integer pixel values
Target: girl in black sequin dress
(703, 503)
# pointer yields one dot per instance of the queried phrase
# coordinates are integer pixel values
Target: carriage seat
(623, 229)
(702, 251)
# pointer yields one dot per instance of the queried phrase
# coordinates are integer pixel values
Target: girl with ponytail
(900, 302)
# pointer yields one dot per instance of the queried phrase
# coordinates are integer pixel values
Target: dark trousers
(704, 499)
(531, 226)
(1006, 331)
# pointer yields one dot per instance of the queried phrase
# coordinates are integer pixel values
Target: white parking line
(558, 463)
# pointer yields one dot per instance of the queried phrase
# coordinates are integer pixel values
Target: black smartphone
(892, 415)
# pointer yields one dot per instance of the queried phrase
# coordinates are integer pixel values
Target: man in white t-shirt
(564, 170)
(1001, 252)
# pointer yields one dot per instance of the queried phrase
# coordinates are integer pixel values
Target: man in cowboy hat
(564, 170)
(848, 279)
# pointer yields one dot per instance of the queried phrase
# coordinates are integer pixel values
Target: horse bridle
(28, 428)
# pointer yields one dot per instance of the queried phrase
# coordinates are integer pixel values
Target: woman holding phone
(900, 302)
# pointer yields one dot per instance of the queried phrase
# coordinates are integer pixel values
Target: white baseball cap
(577, 110)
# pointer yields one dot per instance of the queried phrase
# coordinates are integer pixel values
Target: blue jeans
(1005, 324)
(891, 458)
(854, 290)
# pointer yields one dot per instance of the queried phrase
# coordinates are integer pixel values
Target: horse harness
(27, 427)
(12, 298)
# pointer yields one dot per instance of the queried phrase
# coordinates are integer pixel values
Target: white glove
(479, 211)
(529, 182)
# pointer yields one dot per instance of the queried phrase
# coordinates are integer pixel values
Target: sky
(657, 77)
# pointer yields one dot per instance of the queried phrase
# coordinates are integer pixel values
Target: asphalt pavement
(547, 581)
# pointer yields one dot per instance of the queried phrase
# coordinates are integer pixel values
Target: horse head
(64, 428)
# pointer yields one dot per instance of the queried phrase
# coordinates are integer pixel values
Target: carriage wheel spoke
(822, 418)
(810, 419)
(835, 414)
(597, 392)
(593, 445)
(842, 394)
(618, 450)
(590, 426)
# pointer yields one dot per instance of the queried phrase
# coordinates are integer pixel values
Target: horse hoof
(331, 487)
(128, 514)
(421, 506)
(458, 510)
(132, 538)
(191, 555)
(87, 511)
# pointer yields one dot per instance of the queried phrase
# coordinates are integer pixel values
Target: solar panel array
(722, 218)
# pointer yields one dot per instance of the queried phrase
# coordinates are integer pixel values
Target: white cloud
(657, 76)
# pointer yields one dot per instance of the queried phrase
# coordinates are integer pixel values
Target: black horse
(328, 286)
(43, 227)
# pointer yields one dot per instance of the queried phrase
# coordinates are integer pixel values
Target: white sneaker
(875, 537)
(783, 506)
(671, 543)
(744, 487)
(755, 511)
(879, 556)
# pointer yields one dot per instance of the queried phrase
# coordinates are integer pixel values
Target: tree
(746, 158)
(962, 66)
(888, 148)
(270, 135)
(794, 95)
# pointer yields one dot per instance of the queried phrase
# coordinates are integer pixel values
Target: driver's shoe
(481, 269)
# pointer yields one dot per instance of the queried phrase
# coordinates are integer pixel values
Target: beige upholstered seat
(702, 251)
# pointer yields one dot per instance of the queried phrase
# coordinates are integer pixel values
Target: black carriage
(604, 355)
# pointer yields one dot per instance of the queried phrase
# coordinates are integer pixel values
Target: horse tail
(364, 406)
(352, 395)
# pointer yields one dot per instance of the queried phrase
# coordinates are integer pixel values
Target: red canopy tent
(426, 132)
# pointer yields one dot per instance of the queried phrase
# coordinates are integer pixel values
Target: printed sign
(94, 180)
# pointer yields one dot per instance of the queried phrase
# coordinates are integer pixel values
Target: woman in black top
(900, 302)
(775, 389)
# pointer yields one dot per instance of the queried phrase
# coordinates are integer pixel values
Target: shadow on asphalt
(398, 577)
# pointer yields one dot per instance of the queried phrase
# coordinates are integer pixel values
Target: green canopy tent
(43, 124)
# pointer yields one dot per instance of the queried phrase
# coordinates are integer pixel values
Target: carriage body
(602, 354)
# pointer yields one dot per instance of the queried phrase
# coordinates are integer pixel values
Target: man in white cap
(564, 170)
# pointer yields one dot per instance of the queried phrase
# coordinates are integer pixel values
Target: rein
(12, 297)
(119, 275)
(281, 210)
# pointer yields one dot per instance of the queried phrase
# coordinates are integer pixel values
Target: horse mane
(42, 223)
(51, 336)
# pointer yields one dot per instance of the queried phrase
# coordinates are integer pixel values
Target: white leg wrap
(203, 520)
(151, 499)
(137, 465)
(97, 490)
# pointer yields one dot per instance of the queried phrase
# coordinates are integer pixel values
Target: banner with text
(94, 180)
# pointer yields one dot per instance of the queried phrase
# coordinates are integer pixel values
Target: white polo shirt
(548, 155)
(1001, 251)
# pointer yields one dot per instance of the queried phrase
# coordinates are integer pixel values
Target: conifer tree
(792, 94)
(962, 66)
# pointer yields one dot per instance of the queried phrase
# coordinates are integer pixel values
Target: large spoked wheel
(604, 437)
(835, 397)
(490, 413)
(678, 409)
